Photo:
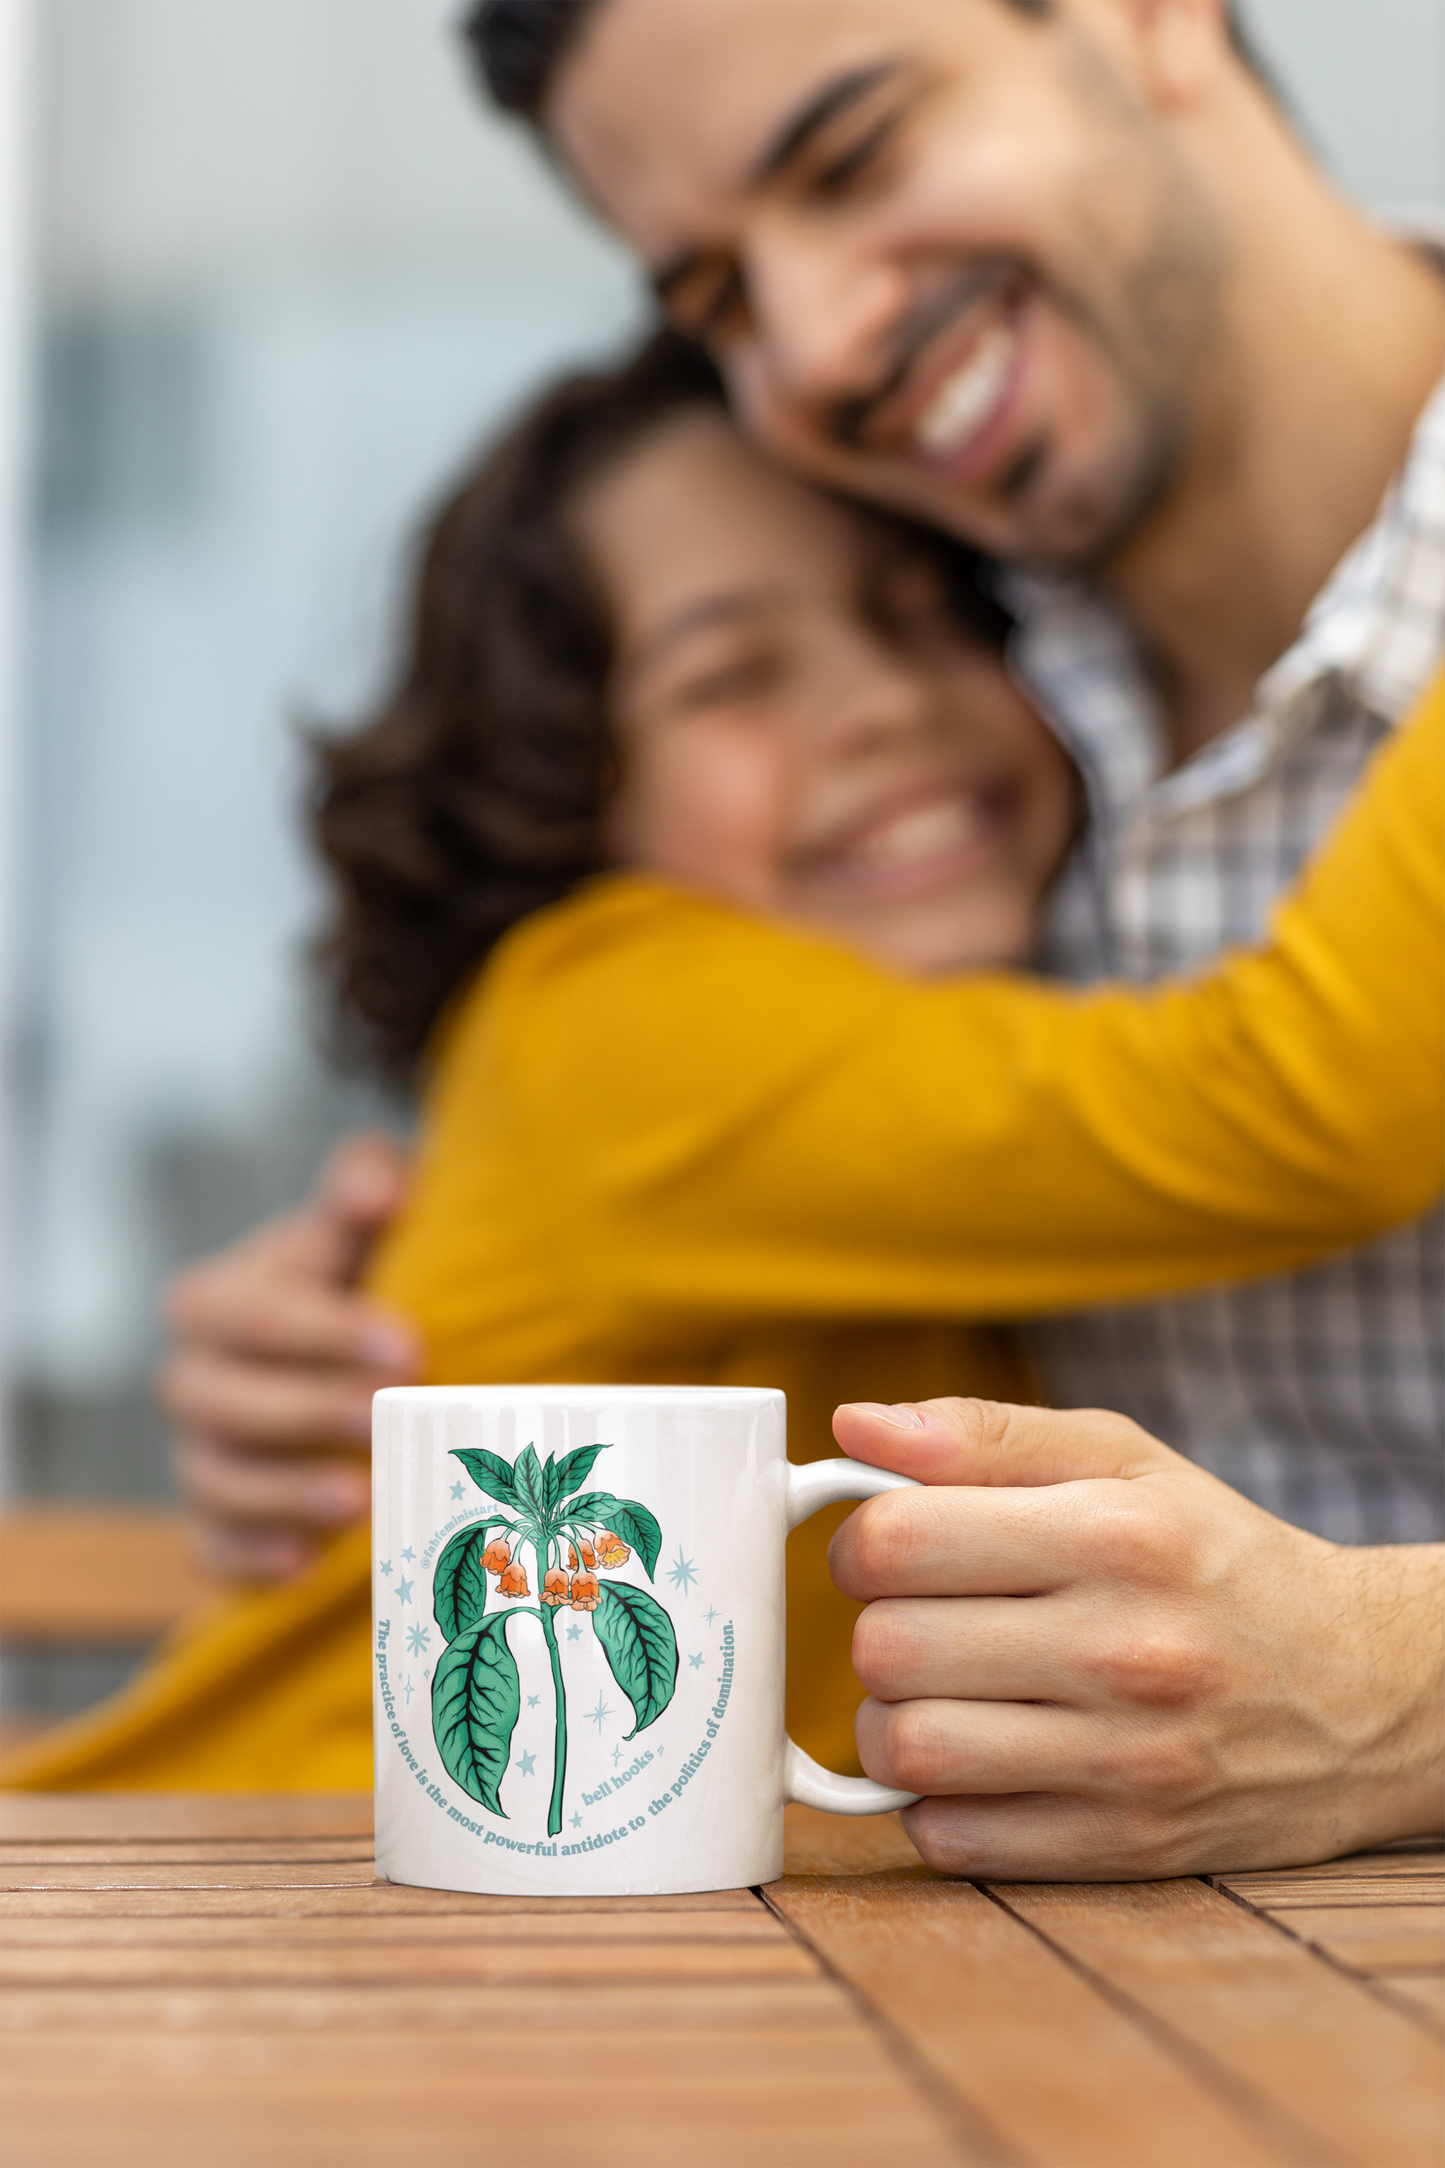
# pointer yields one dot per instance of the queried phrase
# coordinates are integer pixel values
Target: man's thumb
(988, 1442)
(360, 1189)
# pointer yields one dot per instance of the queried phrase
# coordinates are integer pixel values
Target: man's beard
(1154, 317)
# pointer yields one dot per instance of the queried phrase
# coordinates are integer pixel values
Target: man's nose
(822, 313)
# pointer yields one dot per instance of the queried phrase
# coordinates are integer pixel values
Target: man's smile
(949, 406)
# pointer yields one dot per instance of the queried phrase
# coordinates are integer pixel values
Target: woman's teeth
(922, 833)
(964, 402)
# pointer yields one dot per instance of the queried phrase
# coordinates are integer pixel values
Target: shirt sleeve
(737, 1117)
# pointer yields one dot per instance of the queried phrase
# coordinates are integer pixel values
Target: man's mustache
(984, 280)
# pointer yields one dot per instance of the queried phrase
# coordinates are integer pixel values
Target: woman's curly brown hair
(476, 795)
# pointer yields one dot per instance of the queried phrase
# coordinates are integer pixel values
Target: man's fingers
(228, 1485)
(1040, 1837)
(362, 1187)
(235, 1552)
(281, 1318)
(988, 1442)
(989, 1746)
(965, 1542)
(1062, 1649)
(254, 1405)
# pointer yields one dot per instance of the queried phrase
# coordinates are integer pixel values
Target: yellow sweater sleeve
(737, 1116)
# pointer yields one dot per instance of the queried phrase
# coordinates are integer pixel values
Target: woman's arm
(744, 1120)
(742, 1116)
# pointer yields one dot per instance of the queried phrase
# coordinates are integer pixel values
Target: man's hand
(1098, 1662)
(273, 1363)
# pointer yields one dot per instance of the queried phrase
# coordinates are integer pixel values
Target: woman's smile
(915, 841)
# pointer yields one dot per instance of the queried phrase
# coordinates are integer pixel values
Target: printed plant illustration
(570, 1534)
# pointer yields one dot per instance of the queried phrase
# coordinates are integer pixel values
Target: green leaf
(565, 1475)
(635, 1525)
(475, 1701)
(530, 1482)
(459, 1584)
(641, 1647)
(489, 1473)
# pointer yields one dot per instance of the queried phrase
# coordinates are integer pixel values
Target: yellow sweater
(669, 1142)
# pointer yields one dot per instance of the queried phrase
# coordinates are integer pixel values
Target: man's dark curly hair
(476, 794)
(517, 46)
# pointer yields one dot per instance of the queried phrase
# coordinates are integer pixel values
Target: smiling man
(1058, 276)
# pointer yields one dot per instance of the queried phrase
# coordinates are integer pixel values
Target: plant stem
(559, 1751)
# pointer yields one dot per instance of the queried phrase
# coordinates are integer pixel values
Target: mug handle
(825, 1483)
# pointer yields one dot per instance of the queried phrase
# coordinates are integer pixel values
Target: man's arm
(1190, 1686)
(273, 1361)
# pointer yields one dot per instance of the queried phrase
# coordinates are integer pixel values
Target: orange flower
(497, 1556)
(513, 1581)
(612, 1552)
(556, 1588)
(589, 1556)
(584, 1592)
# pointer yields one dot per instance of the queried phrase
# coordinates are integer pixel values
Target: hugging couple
(906, 852)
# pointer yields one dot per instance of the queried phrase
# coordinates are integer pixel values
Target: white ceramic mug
(578, 1637)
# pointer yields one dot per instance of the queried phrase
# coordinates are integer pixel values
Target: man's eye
(835, 174)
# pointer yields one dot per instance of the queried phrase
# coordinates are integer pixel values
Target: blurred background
(265, 273)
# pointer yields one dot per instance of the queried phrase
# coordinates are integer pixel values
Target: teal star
(574, 1633)
(418, 1640)
(616, 1756)
(386, 1567)
(696, 1662)
(403, 1590)
(528, 1764)
(576, 1821)
(532, 1700)
(599, 1715)
(409, 1555)
(709, 1614)
(682, 1573)
(456, 1490)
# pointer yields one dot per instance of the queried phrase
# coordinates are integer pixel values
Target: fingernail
(902, 1417)
(388, 1347)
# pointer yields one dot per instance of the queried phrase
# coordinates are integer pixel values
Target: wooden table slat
(385, 1964)
(116, 1817)
(843, 2106)
(726, 2007)
(188, 1852)
(374, 1900)
(422, 1931)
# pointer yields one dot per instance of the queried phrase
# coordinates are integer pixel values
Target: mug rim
(580, 1395)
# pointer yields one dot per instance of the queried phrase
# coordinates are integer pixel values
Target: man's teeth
(965, 401)
(923, 833)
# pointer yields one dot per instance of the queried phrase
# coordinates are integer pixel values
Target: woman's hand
(273, 1361)
(1098, 1662)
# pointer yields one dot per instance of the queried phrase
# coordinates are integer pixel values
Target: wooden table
(220, 1983)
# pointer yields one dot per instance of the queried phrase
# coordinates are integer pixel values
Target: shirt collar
(1378, 624)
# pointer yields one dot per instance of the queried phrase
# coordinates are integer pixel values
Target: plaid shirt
(1320, 1394)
